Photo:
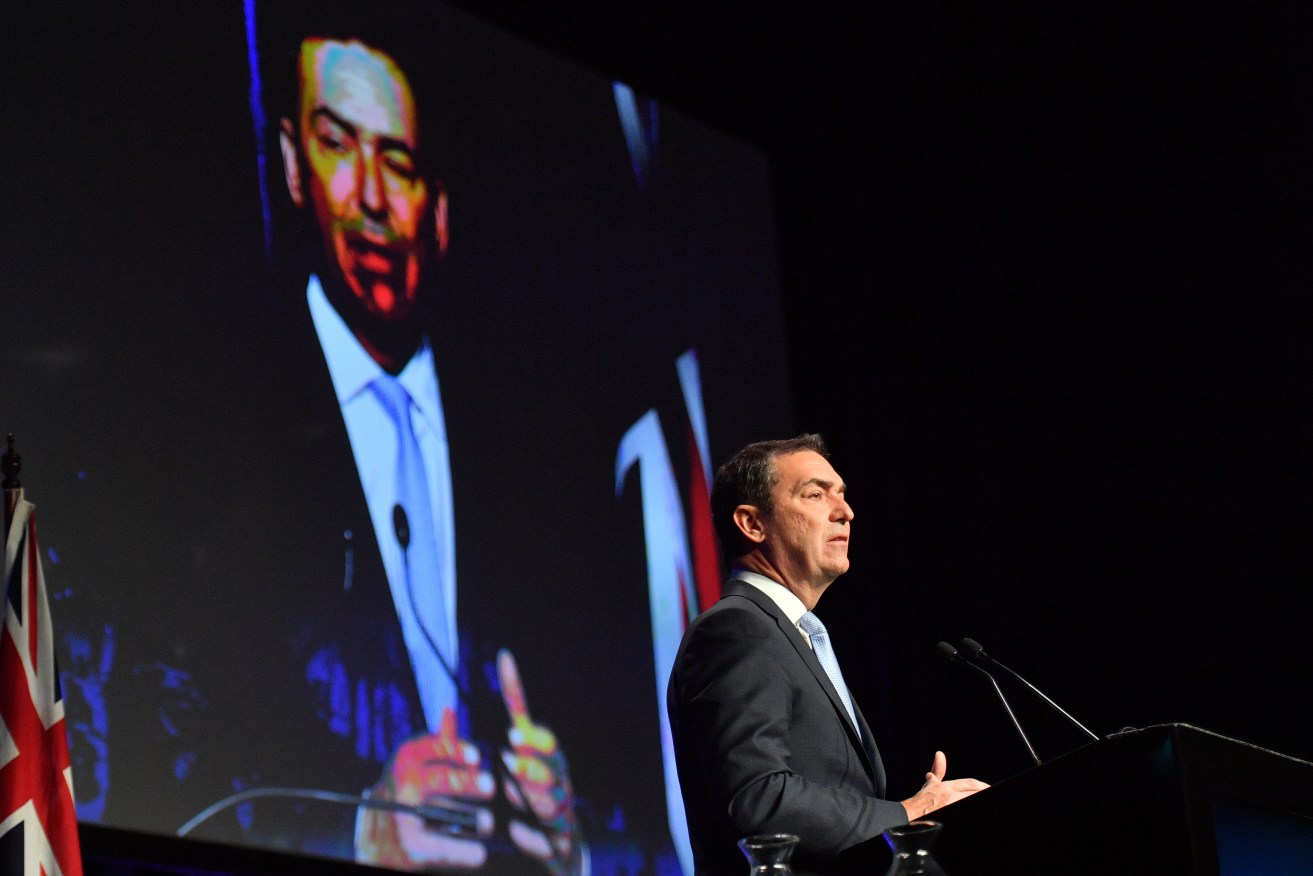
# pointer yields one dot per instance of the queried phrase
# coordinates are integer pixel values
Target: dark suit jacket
(308, 667)
(763, 743)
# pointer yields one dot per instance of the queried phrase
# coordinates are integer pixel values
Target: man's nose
(842, 510)
(370, 186)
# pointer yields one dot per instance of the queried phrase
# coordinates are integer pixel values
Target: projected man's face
(357, 131)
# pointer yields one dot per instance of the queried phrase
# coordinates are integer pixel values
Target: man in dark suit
(767, 738)
(355, 165)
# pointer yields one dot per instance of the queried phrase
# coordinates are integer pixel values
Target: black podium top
(1170, 799)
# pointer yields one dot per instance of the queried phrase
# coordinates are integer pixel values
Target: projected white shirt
(374, 445)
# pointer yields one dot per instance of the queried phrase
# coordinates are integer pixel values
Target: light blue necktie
(815, 630)
(425, 625)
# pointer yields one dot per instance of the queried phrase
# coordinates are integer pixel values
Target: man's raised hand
(537, 781)
(439, 768)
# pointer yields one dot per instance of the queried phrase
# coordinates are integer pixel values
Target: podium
(1170, 799)
(1165, 800)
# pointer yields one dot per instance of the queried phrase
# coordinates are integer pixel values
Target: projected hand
(539, 782)
(438, 769)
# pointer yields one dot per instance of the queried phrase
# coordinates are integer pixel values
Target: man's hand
(937, 793)
(538, 780)
(438, 769)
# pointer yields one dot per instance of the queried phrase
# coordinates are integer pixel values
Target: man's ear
(440, 228)
(291, 166)
(750, 522)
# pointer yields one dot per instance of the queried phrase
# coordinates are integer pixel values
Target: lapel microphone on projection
(478, 708)
(952, 655)
(401, 528)
(974, 650)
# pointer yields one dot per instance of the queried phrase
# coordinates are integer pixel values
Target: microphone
(951, 655)
(976, 652)
(401, 526)
(453, 818)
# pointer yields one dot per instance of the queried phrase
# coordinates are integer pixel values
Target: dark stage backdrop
(605, 324)
(1077, 405)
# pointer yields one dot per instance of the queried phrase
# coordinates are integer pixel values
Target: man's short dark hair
(392, 29)
(748, 478)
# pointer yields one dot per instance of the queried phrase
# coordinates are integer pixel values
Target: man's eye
(332, 143)
(402, 166)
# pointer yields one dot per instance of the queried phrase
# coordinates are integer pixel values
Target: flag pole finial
(10, 465)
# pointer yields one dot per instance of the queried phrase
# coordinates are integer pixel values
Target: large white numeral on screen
(672, 596)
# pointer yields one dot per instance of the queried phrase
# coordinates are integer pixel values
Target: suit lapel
(863, 743)
(873, 761)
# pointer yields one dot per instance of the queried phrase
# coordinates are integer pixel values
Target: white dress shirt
(782, 596)
(374, 445)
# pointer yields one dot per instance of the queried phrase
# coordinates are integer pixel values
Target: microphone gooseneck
(950, 654)
(449, 817)
(976, 651)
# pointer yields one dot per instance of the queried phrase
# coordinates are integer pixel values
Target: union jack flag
(38, 821)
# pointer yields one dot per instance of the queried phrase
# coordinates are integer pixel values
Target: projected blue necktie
(425, 624)
(815, 630)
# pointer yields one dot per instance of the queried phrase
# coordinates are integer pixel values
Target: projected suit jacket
(763, 743)
(314, 687)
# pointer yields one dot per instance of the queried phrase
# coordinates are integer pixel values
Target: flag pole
(38, 815)
(10, 464)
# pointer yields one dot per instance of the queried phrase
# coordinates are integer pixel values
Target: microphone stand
(949, 653)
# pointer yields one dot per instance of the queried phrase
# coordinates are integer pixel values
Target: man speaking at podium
(767, 737)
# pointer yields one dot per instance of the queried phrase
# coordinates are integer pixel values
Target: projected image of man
(355, 164)
(379, 216)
